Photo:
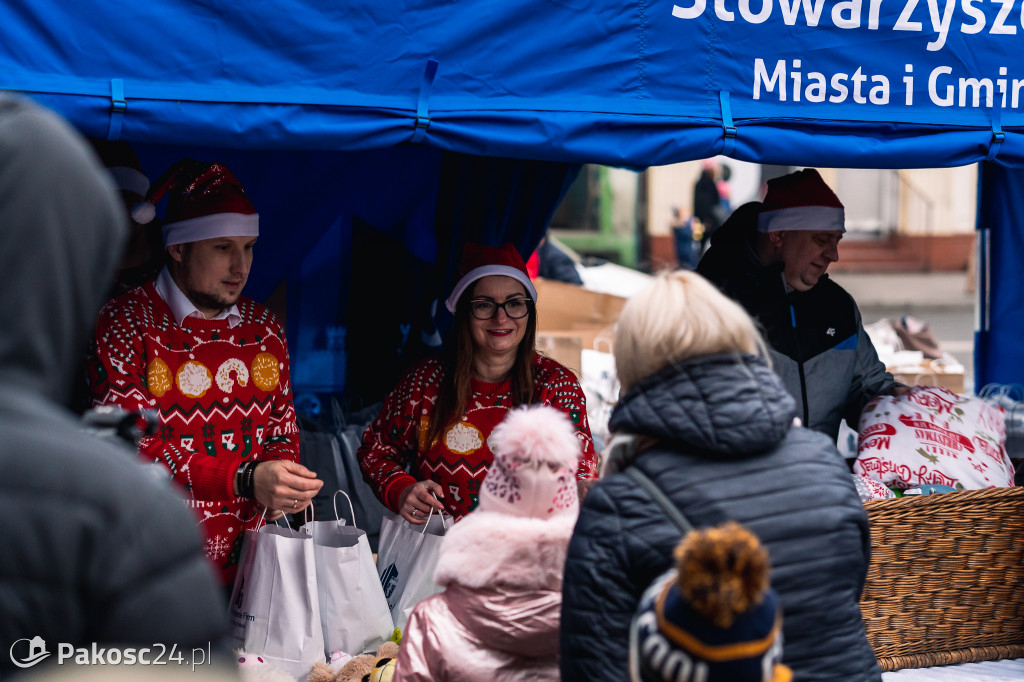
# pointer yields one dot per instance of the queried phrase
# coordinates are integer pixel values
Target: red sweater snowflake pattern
(394, 454)
(223, 395)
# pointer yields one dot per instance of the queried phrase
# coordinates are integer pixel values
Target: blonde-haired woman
(714, 430)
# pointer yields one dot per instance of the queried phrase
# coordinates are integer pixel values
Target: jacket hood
(490, 548)
(738, 229)
(730, 405)
(503, 579)
(63, 232)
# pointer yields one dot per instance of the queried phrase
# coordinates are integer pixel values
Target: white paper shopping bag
(274, 608)
(406, 561)
(353, 611)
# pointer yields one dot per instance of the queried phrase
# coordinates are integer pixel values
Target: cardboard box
(930, 374)
(566, 311)
(567, 306)
(564, 347)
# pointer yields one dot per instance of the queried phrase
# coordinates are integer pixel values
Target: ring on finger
(295, 503)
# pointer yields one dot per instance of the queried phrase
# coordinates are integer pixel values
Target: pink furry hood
(487, 549)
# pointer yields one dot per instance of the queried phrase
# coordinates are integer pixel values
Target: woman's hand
(416, 501)
(583, 486)
(285, 486)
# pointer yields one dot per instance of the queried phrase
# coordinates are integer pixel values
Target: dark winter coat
(92, 549)
(556, 264)
(818, 343)
(725, 450)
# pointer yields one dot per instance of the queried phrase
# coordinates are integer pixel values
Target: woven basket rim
(957, 535)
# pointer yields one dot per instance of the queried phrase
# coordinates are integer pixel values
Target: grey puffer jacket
(92, 549)
(725, 450)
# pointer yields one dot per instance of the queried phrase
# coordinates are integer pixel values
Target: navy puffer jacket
(725, 450)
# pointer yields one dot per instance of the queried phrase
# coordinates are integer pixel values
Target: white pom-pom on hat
(536, 454)
(143, 212)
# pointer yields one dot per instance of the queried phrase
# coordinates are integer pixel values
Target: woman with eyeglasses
(428, 448)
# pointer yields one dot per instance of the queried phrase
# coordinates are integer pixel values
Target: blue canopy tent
(376, 137)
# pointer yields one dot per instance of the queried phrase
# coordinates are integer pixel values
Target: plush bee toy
(383, 670)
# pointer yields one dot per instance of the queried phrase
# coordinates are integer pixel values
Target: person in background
(429, 446)
(713, 616)
(144, 255)
(212, 363)
(724, 193)
(773, 259)
(555, 264)
(501, 567)
(686, 234)
(707, 202)
(94, 550)
(702, 416)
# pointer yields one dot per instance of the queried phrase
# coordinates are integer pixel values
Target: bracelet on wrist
(247, 485)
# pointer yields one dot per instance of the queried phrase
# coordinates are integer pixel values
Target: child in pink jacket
(501, 566)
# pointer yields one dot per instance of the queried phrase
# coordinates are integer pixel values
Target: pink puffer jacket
(498, 617)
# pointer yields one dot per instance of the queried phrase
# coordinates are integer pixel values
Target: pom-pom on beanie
(536, 454)
(714, 612)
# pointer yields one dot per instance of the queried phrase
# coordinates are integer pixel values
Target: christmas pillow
(933, 436)
(869, 489)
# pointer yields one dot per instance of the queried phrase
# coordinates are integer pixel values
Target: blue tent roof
(636, 83)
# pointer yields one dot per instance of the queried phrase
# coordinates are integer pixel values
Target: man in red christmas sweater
(212, 363)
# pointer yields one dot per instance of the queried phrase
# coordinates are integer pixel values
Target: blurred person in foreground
(429, 446)
(772, 258)
(93, 549)
(211, 362)
(703, 416)
(501, 566)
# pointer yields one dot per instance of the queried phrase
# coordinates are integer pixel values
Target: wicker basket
(946, 580)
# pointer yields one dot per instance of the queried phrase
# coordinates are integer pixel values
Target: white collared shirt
(181, 307)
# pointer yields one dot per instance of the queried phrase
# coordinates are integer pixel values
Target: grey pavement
(909, 291)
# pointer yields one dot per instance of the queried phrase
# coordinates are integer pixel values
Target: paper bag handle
(263, 516)
(350, 507)
(427, 522)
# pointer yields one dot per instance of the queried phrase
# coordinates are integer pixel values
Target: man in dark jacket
(712, 427)
(772, 258)
(94, 550)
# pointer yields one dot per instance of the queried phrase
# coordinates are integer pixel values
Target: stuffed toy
(359, 668)
(383, 669)
(254, 668)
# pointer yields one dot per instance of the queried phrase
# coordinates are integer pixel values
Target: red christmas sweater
(394, 453)
(223, 395)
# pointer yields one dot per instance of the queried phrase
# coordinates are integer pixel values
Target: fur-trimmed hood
(488, 548)
(503, 583)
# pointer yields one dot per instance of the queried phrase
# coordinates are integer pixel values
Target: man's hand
(285, 486)
(899, 390)
(416, 501)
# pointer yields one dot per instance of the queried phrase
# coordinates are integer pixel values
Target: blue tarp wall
(376, 137)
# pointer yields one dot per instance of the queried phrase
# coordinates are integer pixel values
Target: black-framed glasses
(485, 308)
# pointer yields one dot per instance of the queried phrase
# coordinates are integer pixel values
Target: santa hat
(480, 261)
(536, 454)
(714, 610)
(123, 164)
(800, 201)
(204, 201)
